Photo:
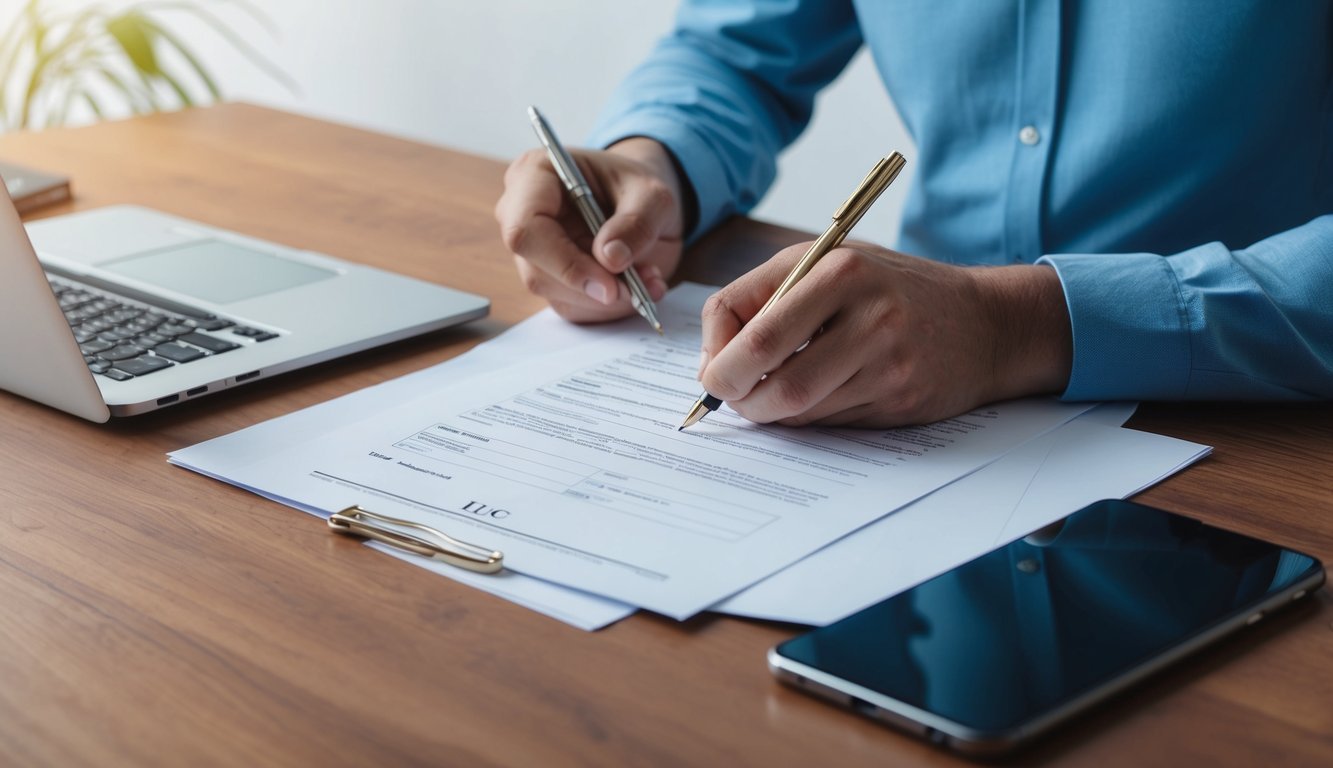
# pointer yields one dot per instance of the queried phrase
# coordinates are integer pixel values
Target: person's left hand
(893, 339)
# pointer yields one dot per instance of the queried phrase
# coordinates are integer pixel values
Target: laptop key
(177, 352)
(95, 346)
(211, 323)
(208, 342)
(76, 299)
(139, 366)
(97, 365)
(112, 373)
(139, 325)
(253, 333)
(122, 352)
(123, 314)
(77, 316)
(173, 329)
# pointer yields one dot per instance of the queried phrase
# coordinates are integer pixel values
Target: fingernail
(652, 278)
(703, 363)
(617, 254)
(596, 291)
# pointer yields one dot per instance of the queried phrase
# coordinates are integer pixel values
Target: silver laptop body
(129, 310)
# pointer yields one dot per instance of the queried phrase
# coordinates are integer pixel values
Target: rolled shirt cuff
(1130, 325)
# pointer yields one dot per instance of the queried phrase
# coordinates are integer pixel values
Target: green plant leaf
(59, 116)
(22, 41)
(12, 34)
(92, 103)
(75, 30)
(30, 90)
(53, 58)
(140, 100)
(251, 9)
(136, 40)
(45, 61)
(189, 57)
(87, 98)
(235, 40)
(175, 85)
(34, 12)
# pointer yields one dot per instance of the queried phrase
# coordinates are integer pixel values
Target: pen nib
(644, 307)
(696, 413)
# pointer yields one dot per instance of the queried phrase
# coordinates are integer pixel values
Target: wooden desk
(150, 616)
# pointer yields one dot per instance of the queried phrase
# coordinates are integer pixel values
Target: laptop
(122, 310)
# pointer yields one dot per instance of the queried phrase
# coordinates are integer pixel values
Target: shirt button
(1029, 135)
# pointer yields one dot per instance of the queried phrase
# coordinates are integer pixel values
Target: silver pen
(573, 179)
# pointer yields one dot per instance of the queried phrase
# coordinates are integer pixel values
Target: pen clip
(355, 521)
(870, 188)
(566, 167)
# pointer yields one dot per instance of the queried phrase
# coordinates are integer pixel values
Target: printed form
(571, 464)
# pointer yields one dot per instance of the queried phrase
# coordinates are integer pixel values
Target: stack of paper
(569, 461)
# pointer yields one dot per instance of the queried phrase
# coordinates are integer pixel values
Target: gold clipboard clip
(355, 521)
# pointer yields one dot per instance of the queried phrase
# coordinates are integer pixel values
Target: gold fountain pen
(874, 184)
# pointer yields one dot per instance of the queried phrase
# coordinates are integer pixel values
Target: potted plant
(58, 59)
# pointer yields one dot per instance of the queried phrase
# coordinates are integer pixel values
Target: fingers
(809, 384)
(645, 213)
(741, 348)
(653, 281)
(727, 311)
(535, 226)
(852, 365)
(557, 256)
(568, 303)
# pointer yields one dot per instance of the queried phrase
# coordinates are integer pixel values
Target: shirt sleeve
(729, 88)
(1206, 324)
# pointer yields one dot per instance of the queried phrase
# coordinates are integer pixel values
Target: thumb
(644, 214)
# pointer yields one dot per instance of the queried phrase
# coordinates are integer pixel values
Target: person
(1113, 201)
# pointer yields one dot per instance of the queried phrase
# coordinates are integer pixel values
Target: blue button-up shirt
(1173, 161)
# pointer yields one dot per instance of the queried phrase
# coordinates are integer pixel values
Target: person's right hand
(559, 259)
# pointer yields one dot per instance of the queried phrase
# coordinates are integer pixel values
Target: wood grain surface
(151, 616)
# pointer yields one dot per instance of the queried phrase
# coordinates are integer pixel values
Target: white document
(1033, 486)
(571, 464)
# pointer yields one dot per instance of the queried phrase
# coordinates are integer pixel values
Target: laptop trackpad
(216, 271)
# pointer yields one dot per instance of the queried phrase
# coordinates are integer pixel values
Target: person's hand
(893, 339)
(558, 258)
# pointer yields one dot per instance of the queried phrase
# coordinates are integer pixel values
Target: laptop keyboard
(122, 339)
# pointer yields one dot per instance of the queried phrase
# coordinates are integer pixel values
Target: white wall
(460, 74)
